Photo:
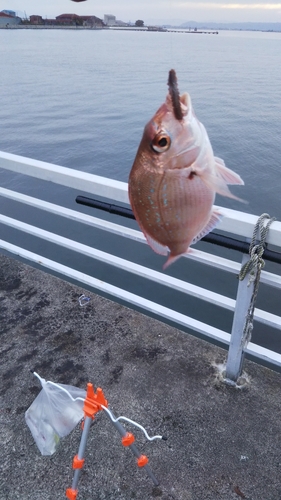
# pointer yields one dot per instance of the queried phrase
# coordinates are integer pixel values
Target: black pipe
(214, 238)
(106, 207)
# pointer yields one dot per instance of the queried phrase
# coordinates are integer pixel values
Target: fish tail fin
(172, 258)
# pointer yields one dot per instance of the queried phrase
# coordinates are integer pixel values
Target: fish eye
(161, 142)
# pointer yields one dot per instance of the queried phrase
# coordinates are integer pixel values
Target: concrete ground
(223, 443)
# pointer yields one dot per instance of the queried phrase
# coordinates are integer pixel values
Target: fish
(175, 177)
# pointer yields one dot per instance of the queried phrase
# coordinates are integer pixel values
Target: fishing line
(171, 39)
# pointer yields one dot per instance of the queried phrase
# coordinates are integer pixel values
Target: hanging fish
(175, 177)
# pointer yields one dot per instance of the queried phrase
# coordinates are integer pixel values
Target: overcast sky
(154, 10)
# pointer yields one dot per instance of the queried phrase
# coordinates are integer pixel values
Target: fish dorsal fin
(157, 247)
(214, 220)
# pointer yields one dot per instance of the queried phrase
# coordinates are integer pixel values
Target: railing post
(239, 341)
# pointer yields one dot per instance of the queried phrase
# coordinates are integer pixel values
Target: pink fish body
(175, 177)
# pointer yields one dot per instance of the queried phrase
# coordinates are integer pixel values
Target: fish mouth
(175, 95)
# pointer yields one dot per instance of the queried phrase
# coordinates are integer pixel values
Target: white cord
(131, 422)
(42, 380)
(58, 386)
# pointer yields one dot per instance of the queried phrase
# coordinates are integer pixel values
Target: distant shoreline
(47, 27)
(157, 29)
(112, 28)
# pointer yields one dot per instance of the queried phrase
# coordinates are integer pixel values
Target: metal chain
(254, 266)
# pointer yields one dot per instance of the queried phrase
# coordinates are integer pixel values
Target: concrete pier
(223, 443)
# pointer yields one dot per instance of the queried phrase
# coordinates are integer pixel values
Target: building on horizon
(68, 20)
(92, 21)
(10, 12)
(36, 19)
(118, 22)
(109, 20)
(8, 19)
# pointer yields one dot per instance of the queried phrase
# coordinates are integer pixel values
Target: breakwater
(221, 441)
(114, 28)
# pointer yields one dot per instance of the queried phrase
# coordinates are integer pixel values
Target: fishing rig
(94, 403)
(57, 410)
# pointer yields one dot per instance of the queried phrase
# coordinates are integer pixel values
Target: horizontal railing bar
(119, 293)
(75, 179)
(239, 223)
(197, 255)
(154, 308)
(184, 287)
(242, 224)
(264, 354)
(214, 238)
(231, 266)
(73, 215)
(125, 265)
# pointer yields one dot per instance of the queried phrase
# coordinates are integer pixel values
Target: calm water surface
(81, 99)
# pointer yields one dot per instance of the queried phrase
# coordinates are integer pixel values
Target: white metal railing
(233, 222)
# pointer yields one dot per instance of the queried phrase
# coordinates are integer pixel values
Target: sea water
(80, 99)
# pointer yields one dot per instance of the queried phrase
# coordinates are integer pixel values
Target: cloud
(156, 10)
(223, 5)
(264, 6)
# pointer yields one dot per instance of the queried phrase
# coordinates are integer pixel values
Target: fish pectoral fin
(226, 174)
(214, 220)
(156, 247)
(218, 184)
(219, 180)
